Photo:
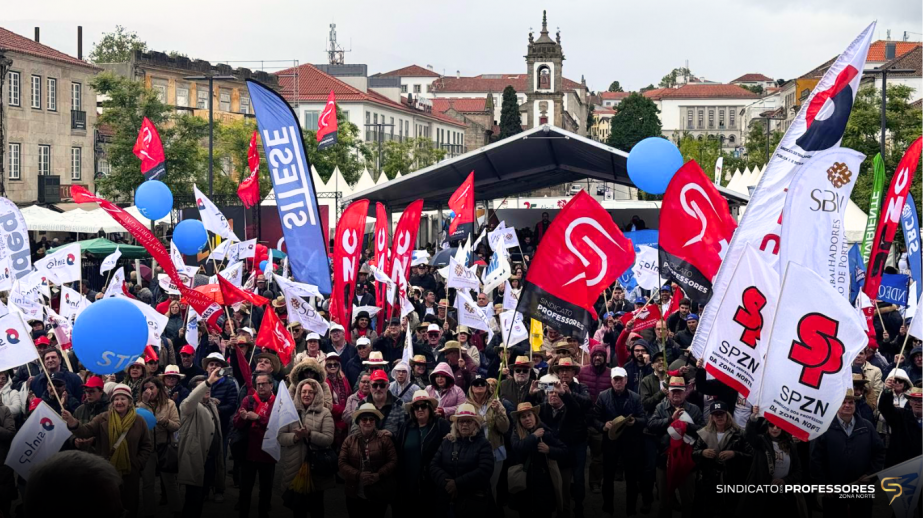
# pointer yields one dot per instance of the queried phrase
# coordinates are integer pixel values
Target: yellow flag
(535, 335)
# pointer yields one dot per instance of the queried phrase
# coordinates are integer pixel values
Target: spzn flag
(249, 190)
(42, 435)
(645, 270)
(72, 304)
(61, 266)
(814, 218)
(813, 342)
(734, 353)
(462, 204)
(327, 124)
(16, 347)
(212, 217)
(700, 229)
(110, 261)
(581, 254)
(819, 125)
(461, 277)
(149, 150)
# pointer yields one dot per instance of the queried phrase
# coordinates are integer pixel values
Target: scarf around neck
(118, 425)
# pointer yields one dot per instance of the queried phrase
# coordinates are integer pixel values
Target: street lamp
(883, 72)
(211, 125)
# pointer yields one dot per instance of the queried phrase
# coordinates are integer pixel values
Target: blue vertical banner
(911, 227)
(893, 288)
(856, 272)
(296, 197)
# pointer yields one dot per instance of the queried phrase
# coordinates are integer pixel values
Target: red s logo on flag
(819, 351)
(750, 315)
(599, 267)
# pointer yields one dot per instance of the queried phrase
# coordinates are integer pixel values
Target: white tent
(40, 218)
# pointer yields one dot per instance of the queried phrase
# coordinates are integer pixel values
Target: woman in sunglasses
(775, 462)
(340, 390)
(367, 462)
(417, 443)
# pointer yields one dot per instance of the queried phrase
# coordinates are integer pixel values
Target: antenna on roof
(335, 52)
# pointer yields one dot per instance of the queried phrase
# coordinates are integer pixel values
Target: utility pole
(883, 72)
(379, 131)
(211, 122)
(769, 132)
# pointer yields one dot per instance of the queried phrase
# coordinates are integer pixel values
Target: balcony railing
(78, 120)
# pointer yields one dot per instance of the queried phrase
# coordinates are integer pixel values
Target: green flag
(878, 184)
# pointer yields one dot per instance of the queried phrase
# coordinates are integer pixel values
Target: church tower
(544, 84)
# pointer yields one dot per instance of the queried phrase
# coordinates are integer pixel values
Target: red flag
(381, 258)
(274, 336)
(150, 150)
(232, 294)
(405, 236)
(245, 372)
(347, 248)
(249, 189)
(150, 354)
(583, 252)
(462, 204)
(204, 306)
(891, 217)
(700, 228)
(645, 318)
(327, 124)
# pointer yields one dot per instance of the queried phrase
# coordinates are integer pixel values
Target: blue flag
(856, 272)
(296, 198)
(638, 238)
(911, 226)
(893, 288)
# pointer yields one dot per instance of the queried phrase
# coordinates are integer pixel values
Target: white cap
(363, 340)
(248, 330)
(549, 378)
(336, 327)
(618, 372)
(312, 336)
(433, 327)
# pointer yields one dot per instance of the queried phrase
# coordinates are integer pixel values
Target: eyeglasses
(333, 365)
(417, 408)
(263, 384)
(366, 419)
(379, 385)
(521, 371)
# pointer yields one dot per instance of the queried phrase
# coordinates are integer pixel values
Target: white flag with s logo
(212, 217)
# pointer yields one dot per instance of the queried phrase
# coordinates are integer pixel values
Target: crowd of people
(469, 426)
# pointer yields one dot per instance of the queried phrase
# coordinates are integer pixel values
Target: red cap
(42, 340)
(94, 382)
(34, 403)
(187, 349)
(379, 375)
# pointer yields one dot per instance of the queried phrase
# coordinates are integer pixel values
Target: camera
(225, 372)
(546, 386)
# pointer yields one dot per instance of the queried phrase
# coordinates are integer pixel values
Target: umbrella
(101, 247)
(212, 291)
(442, 257)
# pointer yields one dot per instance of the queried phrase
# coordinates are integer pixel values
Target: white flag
(62, 327)
(72, 304)
(916, 325)
(25, 301)
(36, 284)
(734, 353)
(419, 257)
(814, 218)
(166, 283)
(156, 322)
(371, 310)
(510, 297)
(192, 328)
(16, 347)
(461, 257)
(299, 310)
(110, 261)
(297, 288)
(178, 261)
(116, 283)
(503, 237)
(646, 269)
(41, 436)
(469, 314)
(212, 218)
(819, 125)
(407, 353)
(246, 249)
(719, 165)
(61, 266)
(220, 251)
(513, 328)
(283, 413)
(401, 287)
(497, 271)
(461, 277)
(902, 484)
(6, 273)
(234, 273)
(815, 337)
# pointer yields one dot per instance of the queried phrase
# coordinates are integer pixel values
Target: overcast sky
(634, 42)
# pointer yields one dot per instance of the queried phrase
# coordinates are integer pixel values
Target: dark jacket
(663, 416)
(636, 372)
(422, 483)
(7, 433)
(225, 390)
(178, 394)
(540, 490)
(651, 393)
(352, 369)
(684, 338)
(349, 352)
(838, 459)
(610, 405)
(569, 424)
(393, 411)
(383, 462)
(72, 381)
(714, 470)
(906, 436)
(467, 461)
(190, 373)
(762, 466)
(255, 431)
(713, 387)
(87, 411)
(595, 379)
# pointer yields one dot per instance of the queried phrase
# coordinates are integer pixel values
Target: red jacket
(255, 430)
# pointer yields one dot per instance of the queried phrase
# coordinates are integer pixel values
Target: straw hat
(679, 383)
(466, 410)
(522, 361)
(564, 363)
(172, 370)
(418, 359)
(375, 358)
(367, 409)
(850, 395)
(915, 393)
(524, 407)
(451, 345)
(279, 302)
(462, 329)
(420, 396)
(273, 359)
(618, 426)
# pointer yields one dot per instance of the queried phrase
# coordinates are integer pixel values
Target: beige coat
(317, 419)
(195, 436)
(167, 421)
(310, 368)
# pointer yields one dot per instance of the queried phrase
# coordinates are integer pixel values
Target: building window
(368, 129)
(160, 88)
(310, 120)
(76, 97)
(201, 97)
(416, 89)
(403, 89)
(701, 119)
(244, 104)
(224, 99)
(37, 92)
(76, 155)
(721, 119)
(731, 118)
(104, 167)
(51, 103)
(182, 95)
(44, 159)
(544, 78)
(731, 139)
(392, 128)
(711, 119)
(12, 80)
(15, 161)
(689, 123)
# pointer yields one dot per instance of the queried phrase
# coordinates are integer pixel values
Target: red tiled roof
(614, 95)
(489, 83)
(656, 93)
(912, 60)
(877, 49)
(710, 91)
(10, 41)
(442, 104)
(603, 111)
(314, 86)
(751, 78)
(411, 71)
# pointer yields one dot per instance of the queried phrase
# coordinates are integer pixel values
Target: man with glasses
(402, 387)
(187, 366)
(252, 419)
(338, 344)
(354, 366)
(516, 389)
(390, 407)
(434, 340)
(95, 402)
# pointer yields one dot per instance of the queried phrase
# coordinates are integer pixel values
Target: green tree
(755, 144)
(127, 103)
(116, 46)
(232, 145)
(648, 87)
(636, 119)
(410, 155)
(510, 121)
(672, 79)
(590, 118)
(615, 87)
(757, 89)
(349, 153)
(705, 152)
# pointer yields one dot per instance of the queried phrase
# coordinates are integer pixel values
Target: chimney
(890, 50)
(429, 67)
(36, 36)
(458, 74)
(80, 42)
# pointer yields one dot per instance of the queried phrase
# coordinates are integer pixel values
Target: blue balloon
(451, 214)
(148, 417)
(652, 164)
(190, 236)
(154, 199)
(263, 265)
(110, 335)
